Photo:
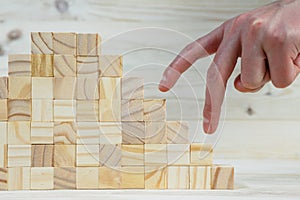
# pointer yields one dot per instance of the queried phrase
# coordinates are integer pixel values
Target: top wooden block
(88, 44)
(64, 43)
(41, 43)
(132, 88)
(19, 65)
(111, 65)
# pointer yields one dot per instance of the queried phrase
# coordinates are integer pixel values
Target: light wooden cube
(109, 110)
(3, 178)
(110, 155)
(200, 177)
(178, 154)
(42, 110)
(19, 65)
(42, 178)
(65, 88)
(88, 66)
(88, 44)
(65, 133)
(110, 88)
(19, 110)
(64, 43)
(156, 154)
(3, 133)
(132, 155)
(178, 177)
(42, 155)
(64, 155)
(64, 110)
(19, 87)
(87, 88)
(3, 87)
(3, 110)
(42, 88)
(88, 133)
(155, 177)
(110, 133)
(87, 155)
(222, 177)
(155, 110)
(109, 178)
(155, 133)
(42, 132)
(19, 155)
(41, 43)
(132, 110)
(177, 132)
(87, 111)
(18, 132)
(19, 178)
(64, 66)
(133, 177)
(41, 65)
(65, 178)
(133, 133)
(3, 155)
(201, 154)
(111, 65)
(132, 88)
(87, 178)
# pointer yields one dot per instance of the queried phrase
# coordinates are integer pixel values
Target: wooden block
(64, 110)
(42, 88)
(132, 155)
(87, 155)
(155, 133)
(64, 155)
(42, 110)
(178, 177)
(42, 132)
(155, 177)
(3, 133)
(156, 154)
(200, 177)
(87, 111)
(65, 178)
(109, 110)
(42, 178)
(65, 133)
(18, 132)
(41, 43)
(65, 88)
(132, 88)
(111, 65)
(222, 177)
(19, 155)
(3, 110)
(87, 178)
(110, 133)
(110, 88)
(19, 178)
(64, 43)
(109, 178)
(178, 154)
(201, 154)
(155, 110)
(133, 177)
(88, 66)
(3, 179)
(88, 44)
(88, 133)
(19, 87)
(19, 65)
(133, 133)
(87, 88)
(110, 155)
(177, 132)
(42, 156)
(132, 110)
(3, 87)
(19, 110)
(3, 155)
(41, 65)
(64, 66)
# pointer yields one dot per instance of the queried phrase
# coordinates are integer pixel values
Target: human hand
(268, 41)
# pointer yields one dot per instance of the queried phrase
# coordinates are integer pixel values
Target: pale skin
(266, 39)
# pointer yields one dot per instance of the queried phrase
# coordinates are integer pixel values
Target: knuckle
(256, 24)
(276, 36)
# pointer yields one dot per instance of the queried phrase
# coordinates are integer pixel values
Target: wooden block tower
(69, 120)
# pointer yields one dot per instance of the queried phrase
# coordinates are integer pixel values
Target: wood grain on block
(19, 178)
(19, 110)
(110, 88)
(110, 155)
(109, 110)
(3, 133)
(42, 88)
(87, 178)
(201, 154)
(110, 133)
(3, 155)
(42, 178)
(156, 154)
(222, 177)
(178, 154)
(3, 110)
(19, 87)
(3, 179)
(178, 177)
(200, 177)
(111, 65)
(64, 43)
(64, 66)
(133, 177)
(154, 109)
(87, 88)
(132, 155)
(132, 88)
(19, 155)
(65, 132)
(64, 178)
(87, 155)
(88, 44)
(41, 43)
(64, 110)
(88, 133)
(133, 133)
(41, 65)
(88, 66)
(42, 110)
(155, 177)
(177, 132)
(42, 132)
(42, 155)
(155, 133)
(109, 178)
(65, 88)
(64, 155)
(87, 111)
(132, 110)
(3, 87)
(19, 65)
(18, 132)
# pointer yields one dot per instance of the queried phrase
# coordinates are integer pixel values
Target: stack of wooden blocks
(69, 120)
